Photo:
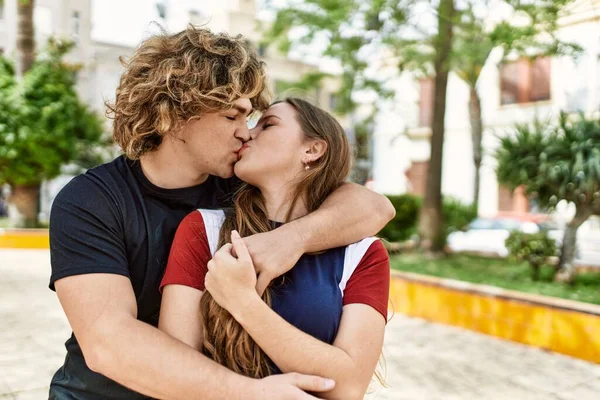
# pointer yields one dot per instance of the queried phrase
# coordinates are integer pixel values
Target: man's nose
(243, 133)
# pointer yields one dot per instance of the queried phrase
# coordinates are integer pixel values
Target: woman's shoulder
(368, 247)
(204, 224)
(202, 218)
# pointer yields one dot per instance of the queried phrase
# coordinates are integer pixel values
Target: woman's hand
(231, 279)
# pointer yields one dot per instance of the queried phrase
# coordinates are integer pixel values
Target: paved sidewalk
(425, 361)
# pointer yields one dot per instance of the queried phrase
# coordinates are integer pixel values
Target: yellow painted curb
(562, 326)
(24, 239)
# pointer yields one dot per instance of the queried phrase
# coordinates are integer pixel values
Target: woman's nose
(254, 132)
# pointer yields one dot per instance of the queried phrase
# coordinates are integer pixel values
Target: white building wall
(392, 152)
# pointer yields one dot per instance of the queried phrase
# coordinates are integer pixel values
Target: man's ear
(315, 150)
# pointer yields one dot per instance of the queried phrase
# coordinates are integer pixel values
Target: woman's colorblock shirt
(311, 295)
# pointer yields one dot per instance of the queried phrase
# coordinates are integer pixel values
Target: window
(333, 101)
(512, 201)
(262, 49)
(42, 20)
(75, 24)
(525, 81)
(426, 94)
(196, 17)
(161, 8)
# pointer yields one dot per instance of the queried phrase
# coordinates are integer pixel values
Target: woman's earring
(306, 167)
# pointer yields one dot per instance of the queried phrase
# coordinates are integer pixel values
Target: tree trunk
(431, 218)
(25, 36)
(566, 267)
(23, 203)
(476, 137)
(535, 271)
(23, 206)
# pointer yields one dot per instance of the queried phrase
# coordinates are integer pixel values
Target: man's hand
(292, 386)
(274, 253)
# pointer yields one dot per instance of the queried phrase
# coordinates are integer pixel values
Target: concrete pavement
(425, 361)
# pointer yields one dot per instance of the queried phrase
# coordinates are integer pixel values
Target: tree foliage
(356, 32)
(367, 37)
(375, 41)
(43, 124)
(555, 162)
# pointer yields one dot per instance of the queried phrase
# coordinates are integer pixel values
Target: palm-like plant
(555, 163)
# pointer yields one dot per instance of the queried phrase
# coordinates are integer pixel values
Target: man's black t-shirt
(112, 219)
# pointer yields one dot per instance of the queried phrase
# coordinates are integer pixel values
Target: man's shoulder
(102, 183)
(117, 169)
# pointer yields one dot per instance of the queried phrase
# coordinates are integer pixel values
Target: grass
(4, 223)
(501, 273)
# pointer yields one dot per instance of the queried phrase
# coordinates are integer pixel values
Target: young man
(180, 118)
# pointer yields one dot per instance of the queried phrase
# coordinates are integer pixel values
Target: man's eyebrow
(243, 110)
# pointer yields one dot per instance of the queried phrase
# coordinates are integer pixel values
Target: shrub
(457, 215)
(404, 223)
(535, 248)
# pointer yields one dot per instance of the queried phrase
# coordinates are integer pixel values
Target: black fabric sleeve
(86, 231)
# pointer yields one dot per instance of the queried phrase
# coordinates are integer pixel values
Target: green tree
(43, 126)
(367, 37)
(474, 42)
(377, 39)
(431, 217)
(556, 162)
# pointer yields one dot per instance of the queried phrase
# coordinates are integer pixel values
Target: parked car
(487, 235)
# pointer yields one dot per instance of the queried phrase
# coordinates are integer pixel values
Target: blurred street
(424, 360)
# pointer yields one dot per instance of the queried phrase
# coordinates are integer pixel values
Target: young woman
(324, 317)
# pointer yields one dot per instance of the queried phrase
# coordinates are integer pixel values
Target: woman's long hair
(225, 341)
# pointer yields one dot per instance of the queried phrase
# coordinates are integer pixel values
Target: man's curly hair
(172, 79)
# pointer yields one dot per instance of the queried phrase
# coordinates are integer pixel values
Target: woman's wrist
(244, 306)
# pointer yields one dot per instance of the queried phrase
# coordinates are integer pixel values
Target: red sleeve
(190, 253)
(370, 282)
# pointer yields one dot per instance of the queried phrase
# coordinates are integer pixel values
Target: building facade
(511, 92)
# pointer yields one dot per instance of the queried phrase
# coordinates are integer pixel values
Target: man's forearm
(153, 363)
(349, 214)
